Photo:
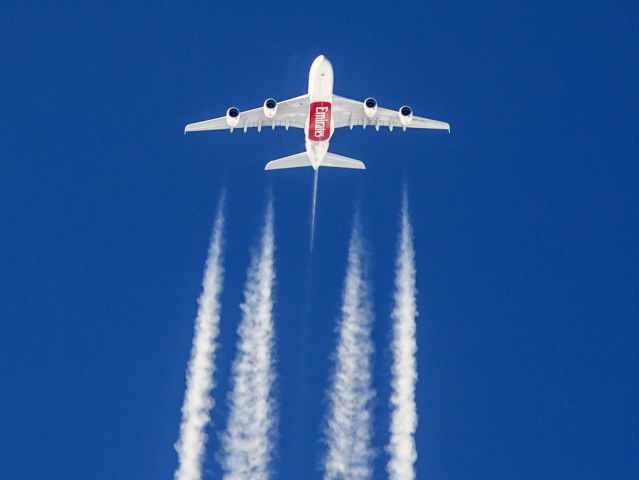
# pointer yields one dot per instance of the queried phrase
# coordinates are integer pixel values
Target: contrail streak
(248, 441)
(349, 430)
(401, 446)
(313, 210)
(198, 400)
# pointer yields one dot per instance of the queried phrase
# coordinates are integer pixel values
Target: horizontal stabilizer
(292, 161)
(338, 161)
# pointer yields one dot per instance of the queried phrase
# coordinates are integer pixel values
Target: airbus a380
(319, 113)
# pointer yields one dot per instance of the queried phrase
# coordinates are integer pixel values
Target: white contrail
(248, 440)
(349, 429)
(198, 400)
(315, 177)
(401, 446)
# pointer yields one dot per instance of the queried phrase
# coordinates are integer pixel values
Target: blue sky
(525, 222)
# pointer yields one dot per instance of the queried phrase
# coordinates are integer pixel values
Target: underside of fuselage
(319, 123)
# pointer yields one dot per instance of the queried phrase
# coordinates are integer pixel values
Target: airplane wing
(290, 113)
(350, 113)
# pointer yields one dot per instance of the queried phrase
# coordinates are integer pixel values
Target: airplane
(319, 113)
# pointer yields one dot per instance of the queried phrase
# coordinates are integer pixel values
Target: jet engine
(405, 115)
(232, 117)
(270, 107)
(370, 107)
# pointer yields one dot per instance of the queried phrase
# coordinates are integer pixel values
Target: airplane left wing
(289, 113)
(350, 113)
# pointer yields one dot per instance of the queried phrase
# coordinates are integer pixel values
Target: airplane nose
(321, 63)
(318, 62)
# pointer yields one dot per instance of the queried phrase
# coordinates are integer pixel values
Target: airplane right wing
(350, 113)
(289, 113)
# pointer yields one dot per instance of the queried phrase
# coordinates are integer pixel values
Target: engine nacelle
(232, 117)
(405, 115)
(270, 107)
(370, 107)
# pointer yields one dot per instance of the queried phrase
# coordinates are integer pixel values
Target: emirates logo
(321, 121)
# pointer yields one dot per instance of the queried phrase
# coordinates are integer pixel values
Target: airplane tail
(302, 160)
(339, 161)
(292, 161)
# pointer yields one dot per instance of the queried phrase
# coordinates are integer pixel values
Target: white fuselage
(319, 123)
